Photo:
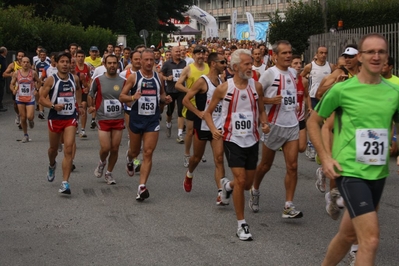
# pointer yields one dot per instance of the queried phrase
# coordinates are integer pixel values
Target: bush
(26, 32)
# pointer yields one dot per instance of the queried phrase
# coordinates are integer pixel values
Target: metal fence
(336, 42)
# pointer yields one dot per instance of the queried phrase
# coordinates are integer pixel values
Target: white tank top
(261, 69)
(240, 114)
(284, 83)
(217, 113)
(317, 73)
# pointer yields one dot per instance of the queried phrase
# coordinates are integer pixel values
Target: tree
(301, 20)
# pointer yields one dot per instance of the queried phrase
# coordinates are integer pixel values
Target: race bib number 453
(372, 146)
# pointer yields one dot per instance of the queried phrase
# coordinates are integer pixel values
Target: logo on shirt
(372, 134)
(243, 96)
(289, 81)
(146, 99)
(242, 116)
(116, 88)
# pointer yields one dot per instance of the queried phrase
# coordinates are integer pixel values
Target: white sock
(241, 222)
(168, 125)
(108, 172)
(354, 248)
(179, 131)
(255, 191)
(189, 175)
(288, 204)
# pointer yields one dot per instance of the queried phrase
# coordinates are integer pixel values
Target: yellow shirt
(96, 62)
(394, 79)
(195, 74)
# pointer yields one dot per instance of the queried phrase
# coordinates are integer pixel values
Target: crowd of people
(238, 98)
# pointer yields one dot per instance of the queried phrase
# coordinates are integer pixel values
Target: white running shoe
(186, 160)
(109, 179)
(254, 200)
(98, 172)
(332, 207)
(243, 233)
(320, 180)
(225, 194)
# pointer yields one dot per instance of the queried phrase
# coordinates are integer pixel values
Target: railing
(336, 42)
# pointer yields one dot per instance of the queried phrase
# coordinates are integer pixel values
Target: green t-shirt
(363, 121)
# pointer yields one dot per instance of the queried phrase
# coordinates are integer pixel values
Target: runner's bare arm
(44, 93)
(306, 70)
(198, 86)
(13, 87)
(183, 77)
(124, 97)
(262, 113)
(327, 82)
(9, 71)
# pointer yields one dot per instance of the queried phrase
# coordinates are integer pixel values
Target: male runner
(280, 90)
(23, 84)
(203, 90)
(242, 109)
(360, 154)
(59, 93)
(146, 93)
(104, 100)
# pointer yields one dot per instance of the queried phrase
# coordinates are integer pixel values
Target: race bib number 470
(372, 146)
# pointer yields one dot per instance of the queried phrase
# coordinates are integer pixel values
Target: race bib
(372, 146)
(112, 108)
(288, 102)
(24, 93)
(176, 74)
(69, 105)
(147, 105)
(242, 124)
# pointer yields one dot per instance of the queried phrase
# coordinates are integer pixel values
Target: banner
(242, 31)
(251, 26)
(234, 24)
(205, 19)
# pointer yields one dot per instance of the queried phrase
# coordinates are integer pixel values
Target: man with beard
(104, 100)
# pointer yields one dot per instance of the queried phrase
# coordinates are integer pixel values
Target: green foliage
(301, 20)
(21, 29)
(362, 13)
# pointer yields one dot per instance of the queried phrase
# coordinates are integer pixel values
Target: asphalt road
(104, 225)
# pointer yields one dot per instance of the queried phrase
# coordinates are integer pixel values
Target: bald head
(176, 53)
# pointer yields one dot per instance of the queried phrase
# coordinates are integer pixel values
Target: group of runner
(233, 98)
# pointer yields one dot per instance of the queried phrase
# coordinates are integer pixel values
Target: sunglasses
(221, 61)
(346, 56)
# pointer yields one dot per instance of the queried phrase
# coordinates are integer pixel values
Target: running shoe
(203, 159)
(312, 151)
(291, 212)
(93, 124)
(82, 134)
(98, 172)
(219, 199)
(17, 120)
(243, 233)
(129, 165)
(254, 200)
(188, 183)
(51, 172)
(109, 179)
(180, 139)
(73, 167)
(64, 188)
(352, 258)
(168, 130)
(142, 194)
(186, 160)
(137, 165)
(41, 116)
(225, 194)
(31, 123)
(60, 147)
(25, 138)
(320, 180)
(332, 207)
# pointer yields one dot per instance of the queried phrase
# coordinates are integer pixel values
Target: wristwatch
(52, 106)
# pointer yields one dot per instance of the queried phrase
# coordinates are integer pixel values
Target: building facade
(222, 10)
